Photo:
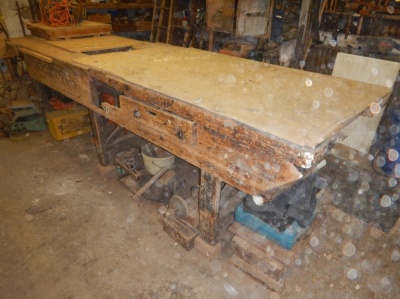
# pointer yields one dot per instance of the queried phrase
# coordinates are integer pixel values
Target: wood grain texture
(300, 107)
(258, 127)
(93, 44)
(244, 158)
(86, 28)
(220, 15)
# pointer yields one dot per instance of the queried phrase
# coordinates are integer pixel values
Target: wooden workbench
(255, 126)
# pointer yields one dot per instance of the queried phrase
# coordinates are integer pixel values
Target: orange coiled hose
(56, 12)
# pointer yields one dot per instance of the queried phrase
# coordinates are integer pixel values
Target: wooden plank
(91, 44)
(273, 264)
(100, 137)
(228, 155)
(37, 55)
(180, 231)
(99, 18)
(146, 186)
(257, 95)
(361, 132)
(209, 196)
(256, 273)
(261, 243)
(302, 37)
(38, 45)
(86, 28)
(220, 15)
(71, 81)
(166, 123)
(366, 69)
(137, 5)
(254, 18)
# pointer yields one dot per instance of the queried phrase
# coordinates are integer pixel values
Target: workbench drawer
(155, 118)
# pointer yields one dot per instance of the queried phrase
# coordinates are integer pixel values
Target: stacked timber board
(84, 29)
(262, 258)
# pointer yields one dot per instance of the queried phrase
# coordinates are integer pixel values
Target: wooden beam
(100, 137)
(209, 197)
(304, 22)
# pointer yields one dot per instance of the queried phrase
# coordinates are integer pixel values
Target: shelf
(118, 5)
(139, 26)
(353, 14)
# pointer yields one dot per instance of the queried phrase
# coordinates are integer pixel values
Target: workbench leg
(43, 92)
(100, 137)
(210, 191)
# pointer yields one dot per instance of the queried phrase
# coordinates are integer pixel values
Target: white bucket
(153, 165)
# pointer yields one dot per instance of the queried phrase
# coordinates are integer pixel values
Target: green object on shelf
(30, 122)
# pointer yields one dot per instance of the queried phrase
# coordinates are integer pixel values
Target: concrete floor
(70, 231)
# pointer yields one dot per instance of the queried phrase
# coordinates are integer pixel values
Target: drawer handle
(136, 114)
(151, 113)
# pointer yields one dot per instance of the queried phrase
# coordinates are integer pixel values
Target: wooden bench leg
(100, 137)
(210, 191)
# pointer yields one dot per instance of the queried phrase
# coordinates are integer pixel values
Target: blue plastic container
(386, 164)
(284, 239)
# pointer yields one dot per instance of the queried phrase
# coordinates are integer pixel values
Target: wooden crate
(262, 258)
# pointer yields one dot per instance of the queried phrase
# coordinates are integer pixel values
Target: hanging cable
(60, 12)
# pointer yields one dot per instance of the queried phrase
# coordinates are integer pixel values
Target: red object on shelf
(57, 104)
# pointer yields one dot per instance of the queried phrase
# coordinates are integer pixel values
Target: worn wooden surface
(167, 124)
(254, 271)
(106, 42)
(300, 107)
(209, 196)
(220, 15)
(254, 18)
(361, 132)
(180, 231)
(366, 69)
(256, 126)
(264, 259)
(86, 28)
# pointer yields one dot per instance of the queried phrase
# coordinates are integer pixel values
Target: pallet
(84, 29)
(263, 259)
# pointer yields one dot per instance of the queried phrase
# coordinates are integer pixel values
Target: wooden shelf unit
(118, 5)
(138, 26)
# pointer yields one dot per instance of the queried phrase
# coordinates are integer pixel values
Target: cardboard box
(67, 123)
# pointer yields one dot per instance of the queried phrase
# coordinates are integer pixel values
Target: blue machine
(387, 162)
(285, 239)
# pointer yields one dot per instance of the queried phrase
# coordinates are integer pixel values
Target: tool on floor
(21, 116)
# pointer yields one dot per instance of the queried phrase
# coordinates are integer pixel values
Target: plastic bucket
(153, 164)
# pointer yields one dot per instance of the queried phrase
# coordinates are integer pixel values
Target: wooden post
(100, 137)
(211, 37)
(303, 32)
(170, 21)
(210, 192)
